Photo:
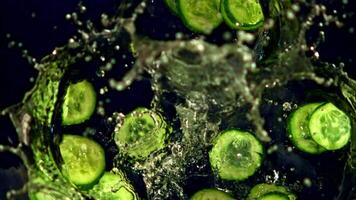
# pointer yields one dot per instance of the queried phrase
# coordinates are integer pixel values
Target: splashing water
(201, 88)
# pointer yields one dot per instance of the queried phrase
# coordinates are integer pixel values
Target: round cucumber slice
(79, 103)
(245, 14)
(201, 16)
(298, 129)
(142, 133)
(113, 187)
(236, 155)
(83, 159)
(262, 189)
(330, 127)
(274, 196)
(225, 16)
(211, 194)
(173, 6)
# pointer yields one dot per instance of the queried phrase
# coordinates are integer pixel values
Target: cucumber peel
(330, 127)
(83, 159)
(274, 196)
(236, 155)
(142, 133)
(211, 194)
(298, 129)
(79, 103)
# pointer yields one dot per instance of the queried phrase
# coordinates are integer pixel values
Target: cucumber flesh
(236, 155)
(274, 196)
(330, 127)
(245, 14)
(262, 189)
(211, 194)
(298, 129)
(83, 159)
(142, 133)
(79, 103)
(201, 16)
(113, 187)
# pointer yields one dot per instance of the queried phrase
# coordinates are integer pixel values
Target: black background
(40, 26)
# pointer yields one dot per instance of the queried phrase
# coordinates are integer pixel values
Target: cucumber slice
(113, 187)
(79, 103)
(225, 16)
(236, 155)
(201, 16)
(330, 127)
(211, 194)
(83, 159)
(142, 133)
(263, 189)
(245, 14)
(173, 6)
(298, 129)
(274, 196)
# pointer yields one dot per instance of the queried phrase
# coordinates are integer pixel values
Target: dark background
(40, 26)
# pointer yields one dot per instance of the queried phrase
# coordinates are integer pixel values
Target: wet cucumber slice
(244, 14)
(225, 16)
(262, 189)
(83, 159)
(298, 129)
(330, 127)
(274, 196)
(236, 155)
(211, 194)
(113, 187)
(79, 103)
(142, 133)
(173, 6)
(201, 16)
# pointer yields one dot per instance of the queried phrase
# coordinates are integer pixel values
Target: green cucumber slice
(330, 127)
(83, 159)
(274, 196)
(298, 129)
(79, 103)
(236, 155)
(142, 133)
(173, 6)
(201, 16)
(211, 194)
(245, 14)
(225, 16)
(263, 189)
(113, 187)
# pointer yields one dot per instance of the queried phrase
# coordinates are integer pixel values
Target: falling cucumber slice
(173, 6)
(298, 129)
(201, 16)
(211, 194)
(274, 196)
(244, 14)
(226, 18)
(142, 133)
(83, 159)
(113, 187)
(236, 155)
(79, 103)
(263, 189)
(330, 127)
